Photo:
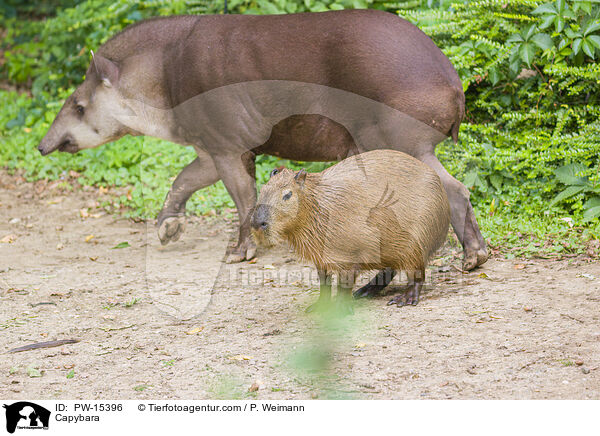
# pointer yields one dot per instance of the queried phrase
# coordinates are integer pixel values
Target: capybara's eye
(275, 171)
(80, 109)
(287, 195)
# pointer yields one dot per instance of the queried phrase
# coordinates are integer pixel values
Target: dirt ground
(175, 322)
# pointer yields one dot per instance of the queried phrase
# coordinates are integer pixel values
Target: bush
(528, 68)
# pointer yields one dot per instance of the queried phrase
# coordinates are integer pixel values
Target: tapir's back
(371, 53)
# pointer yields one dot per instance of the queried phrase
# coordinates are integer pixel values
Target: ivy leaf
(526, 53)
(559, 24)
(543, 41)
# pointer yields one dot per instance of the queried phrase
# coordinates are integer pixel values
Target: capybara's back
(381, 209)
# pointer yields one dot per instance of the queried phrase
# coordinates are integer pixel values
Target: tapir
(306, 87)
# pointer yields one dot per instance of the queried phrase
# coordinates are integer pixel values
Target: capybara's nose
(41, 148)
(260, 217)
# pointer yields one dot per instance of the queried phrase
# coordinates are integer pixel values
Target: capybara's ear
(300, 177)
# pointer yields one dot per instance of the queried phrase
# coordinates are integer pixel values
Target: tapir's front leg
(238, 174)
(200, 173)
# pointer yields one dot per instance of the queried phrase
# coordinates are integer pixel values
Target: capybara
(382, 210)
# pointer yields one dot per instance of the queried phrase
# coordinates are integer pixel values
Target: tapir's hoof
(245, 251)
(474, 259)
(171, 229)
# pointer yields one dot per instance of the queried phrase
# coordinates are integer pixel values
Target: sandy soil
(176, 322)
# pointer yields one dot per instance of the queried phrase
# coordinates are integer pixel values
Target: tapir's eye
(275, 171)
(80, 109)
(287, 195)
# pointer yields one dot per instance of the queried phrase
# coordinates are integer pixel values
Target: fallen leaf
(527, 309)
(84, 213)
(8, 239)
(253, 260)
(482, 275)
(71, 374)
(59, 246)
(124, 244)
(93, 258)
(519, 266)
(240, 357)
(360, 345)
(587, 276)
(74, 174)
(88, 238)
(33, 372)
(268, 267)
(254, 387)
(194, 331)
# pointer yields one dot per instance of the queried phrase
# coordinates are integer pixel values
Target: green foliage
(528, 68)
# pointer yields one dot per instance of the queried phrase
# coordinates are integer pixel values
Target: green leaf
(559, 24)
(530, 32)
(571, 33)
(592, 28)
(526, 53)
(547, 21)
(588, 48)
(591, 213)
(567, 193)
(496, 180)
(71, 374)
(33, 371)
(560, 5)
(543, 41)
(124, 244)
(576, 45)
(592, 202)
(594, 40)
(494, 75)
(515, 37)
(547, 8)
(567, 174)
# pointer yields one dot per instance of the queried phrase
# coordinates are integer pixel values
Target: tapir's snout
(49, 144)
(260, 217)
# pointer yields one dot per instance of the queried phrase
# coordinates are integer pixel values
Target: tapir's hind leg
(462, 216)
(200, 173)
(376, 285)
(238, 175)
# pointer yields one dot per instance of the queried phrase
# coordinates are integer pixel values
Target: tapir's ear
(300, 177)
(106, 69)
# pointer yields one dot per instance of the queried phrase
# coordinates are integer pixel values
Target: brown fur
(381, 209)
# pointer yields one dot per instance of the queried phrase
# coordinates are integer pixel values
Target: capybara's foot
(244, 251)
(367, 291)
(409, 298)
(473, 259)
(171, 229)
